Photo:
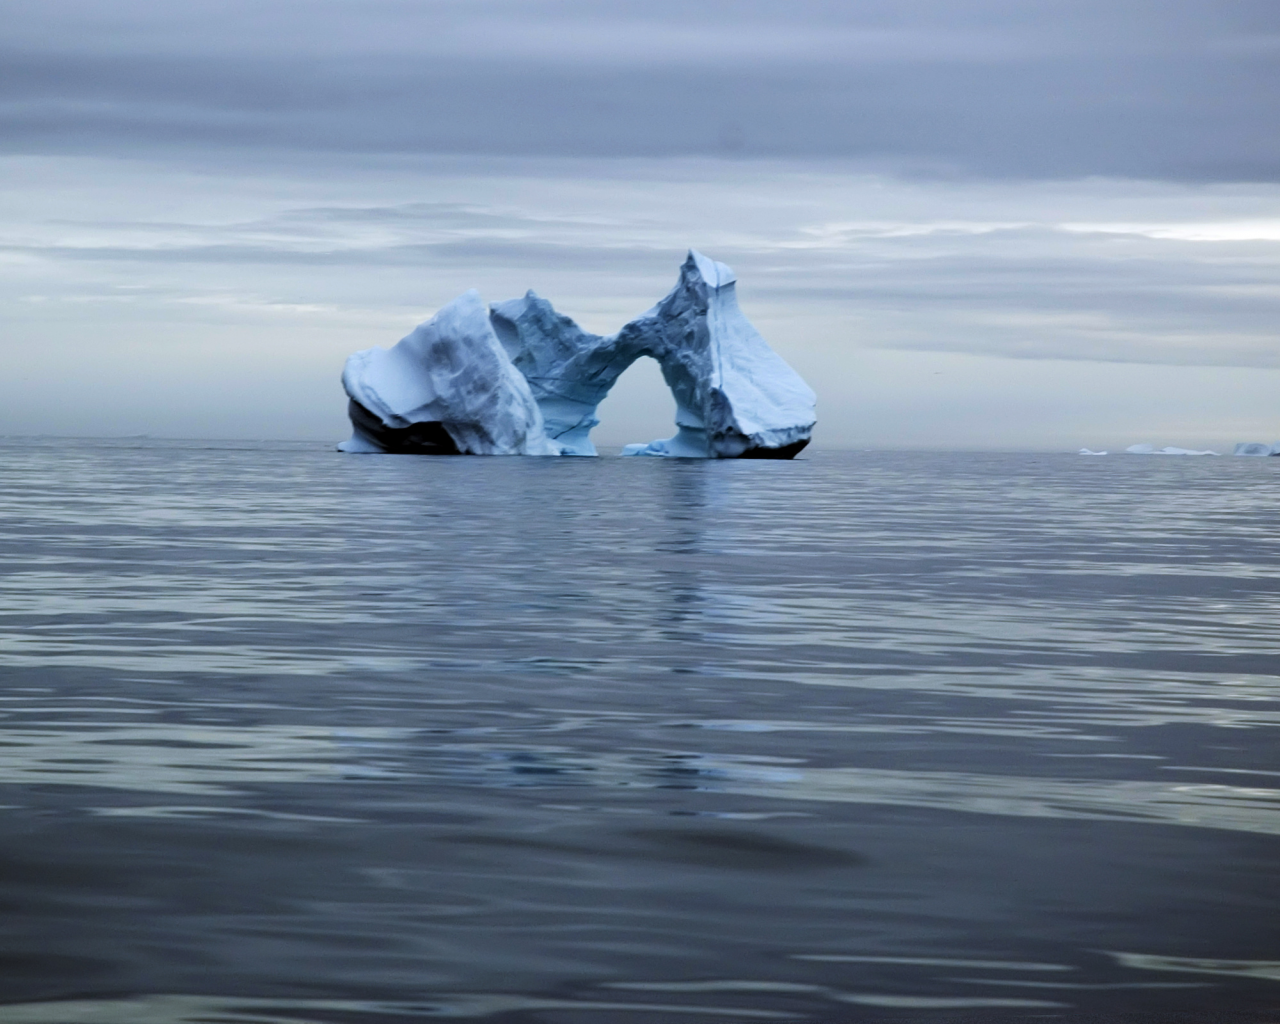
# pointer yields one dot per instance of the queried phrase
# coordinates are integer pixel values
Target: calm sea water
(294, 736)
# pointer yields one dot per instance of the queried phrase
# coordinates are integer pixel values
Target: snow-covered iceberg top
(521, 379)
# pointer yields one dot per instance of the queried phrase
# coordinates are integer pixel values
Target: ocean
(292, 736)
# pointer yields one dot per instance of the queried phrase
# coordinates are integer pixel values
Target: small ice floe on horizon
(1147, 449)
(1256, 448)
(1086, 451)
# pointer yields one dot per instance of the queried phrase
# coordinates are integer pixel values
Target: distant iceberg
(1086, 451)
(1146, 449)
(1254, 448)
(521, 379)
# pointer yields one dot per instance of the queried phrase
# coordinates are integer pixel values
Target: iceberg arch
(523, 379)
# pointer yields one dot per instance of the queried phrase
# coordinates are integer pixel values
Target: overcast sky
(968, 224)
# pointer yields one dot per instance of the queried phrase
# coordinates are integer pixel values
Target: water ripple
(385, 737)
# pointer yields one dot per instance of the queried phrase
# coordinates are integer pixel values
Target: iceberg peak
(716, 275)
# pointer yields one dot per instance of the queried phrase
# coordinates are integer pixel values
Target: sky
(968, 224)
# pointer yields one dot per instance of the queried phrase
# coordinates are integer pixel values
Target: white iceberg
(523, 379)
(447, 388)
(735, 397)
(1086, 451)
(1255, 448)
(1146, 449)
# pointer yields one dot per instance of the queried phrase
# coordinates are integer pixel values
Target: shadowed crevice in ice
(526, 380)
(426, 438)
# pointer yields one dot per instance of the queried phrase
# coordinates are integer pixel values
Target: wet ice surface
(291, 736)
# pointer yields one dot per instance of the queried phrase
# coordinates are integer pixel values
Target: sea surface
(290, 736)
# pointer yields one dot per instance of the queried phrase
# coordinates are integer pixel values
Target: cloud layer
(1182, 89)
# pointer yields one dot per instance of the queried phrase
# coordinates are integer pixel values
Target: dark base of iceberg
(426, 438)
(786, 451)
(518, 378)
(679, 448)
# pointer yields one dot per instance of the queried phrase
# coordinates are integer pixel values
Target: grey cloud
(1180, 90)
(1022, 291)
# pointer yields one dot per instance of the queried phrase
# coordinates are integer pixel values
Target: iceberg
(1086, 451)
(735, 397)
(1255, 448)
(522, 379)
(447, 388)
(1146, 449)
(569, 371)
